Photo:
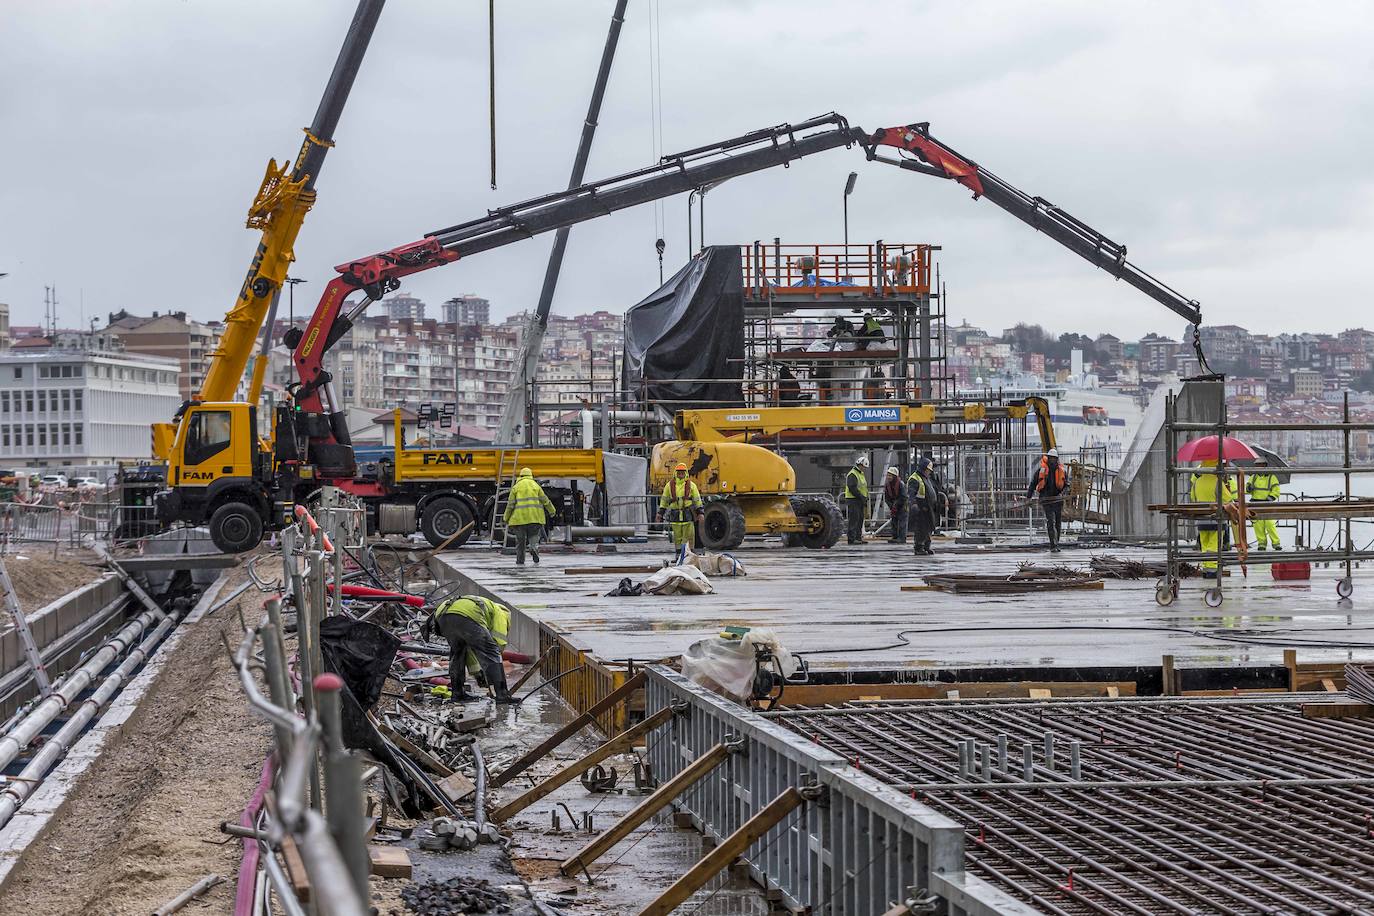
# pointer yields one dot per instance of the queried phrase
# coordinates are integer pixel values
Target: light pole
(848, 189)
(291, 299)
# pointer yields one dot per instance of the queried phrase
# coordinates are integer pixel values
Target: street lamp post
(291, 299)
(848, 189)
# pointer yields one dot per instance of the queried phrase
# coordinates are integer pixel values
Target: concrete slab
(847, 602)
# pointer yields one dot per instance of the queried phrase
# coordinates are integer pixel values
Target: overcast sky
(1227, 144)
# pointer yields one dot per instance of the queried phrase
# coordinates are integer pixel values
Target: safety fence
(839, 842)
(316, 785)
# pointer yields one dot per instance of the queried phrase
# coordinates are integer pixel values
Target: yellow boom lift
(751, 490)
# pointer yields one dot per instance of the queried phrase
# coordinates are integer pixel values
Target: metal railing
(332, 844)
(857, 848)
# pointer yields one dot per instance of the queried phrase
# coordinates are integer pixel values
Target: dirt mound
(40, 579)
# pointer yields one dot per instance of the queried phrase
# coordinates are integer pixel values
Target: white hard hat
(862, 461)
(893, 471)
(1053, 453)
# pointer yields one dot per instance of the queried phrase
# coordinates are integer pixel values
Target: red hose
(248, 865)
(366, 591)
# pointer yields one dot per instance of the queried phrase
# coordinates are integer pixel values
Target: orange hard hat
(680, 467)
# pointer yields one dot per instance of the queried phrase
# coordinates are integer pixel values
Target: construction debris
(1109, 567)
(1026, 579)
(456, 895)
(1359, 682)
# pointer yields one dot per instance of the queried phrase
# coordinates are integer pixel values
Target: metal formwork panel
(857, 848)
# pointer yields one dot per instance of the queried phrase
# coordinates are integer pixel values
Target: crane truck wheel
(722, 528)
(823, 520)
(235, 527)
(446, 521)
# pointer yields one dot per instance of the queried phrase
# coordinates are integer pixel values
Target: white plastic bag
(678, 580)
(727, 665)
(715, 564)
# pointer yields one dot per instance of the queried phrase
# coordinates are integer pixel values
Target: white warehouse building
(64, 408)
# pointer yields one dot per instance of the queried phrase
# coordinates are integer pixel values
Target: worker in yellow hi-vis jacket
(681, 505)
(475, 627)
(528, 510)
(1263, 487)
(1203, 489)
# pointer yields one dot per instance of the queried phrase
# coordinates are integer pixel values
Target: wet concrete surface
(847, 602)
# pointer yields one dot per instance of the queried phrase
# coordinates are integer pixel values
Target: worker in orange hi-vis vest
(1050, 481)
(681, 505)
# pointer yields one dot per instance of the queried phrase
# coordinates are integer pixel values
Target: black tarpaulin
(361, 654)
(690, 328)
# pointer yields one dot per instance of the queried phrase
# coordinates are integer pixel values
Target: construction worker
(473, 626)
(527, 511)
(1203, 489)
(856, 498)
(894, 497)
(1049, 482)
(920, 500)
(872, 331)
(1263, 487)
(681, 504)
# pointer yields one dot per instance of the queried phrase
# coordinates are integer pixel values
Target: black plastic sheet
(689, 330)
(361, 654)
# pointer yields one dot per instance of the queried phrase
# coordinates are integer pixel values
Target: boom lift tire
(722, 528)
(236, 527)
(443, 518)
(823, 519)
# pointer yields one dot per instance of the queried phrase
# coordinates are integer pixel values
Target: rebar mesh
(1147, 806)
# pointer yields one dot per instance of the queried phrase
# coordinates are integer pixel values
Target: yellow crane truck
(223, 476)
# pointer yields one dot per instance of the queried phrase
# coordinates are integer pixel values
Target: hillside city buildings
(407, 354)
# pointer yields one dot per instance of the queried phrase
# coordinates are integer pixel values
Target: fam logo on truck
(872, 414)
(446, 458)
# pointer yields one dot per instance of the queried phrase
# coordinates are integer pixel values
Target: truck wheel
(823, 519)
(236, 527)
(723, 526)
(445, 518)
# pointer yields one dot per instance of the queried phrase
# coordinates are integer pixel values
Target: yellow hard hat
(680, 467)
(526, 472)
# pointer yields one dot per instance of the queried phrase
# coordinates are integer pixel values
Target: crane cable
(491, 79)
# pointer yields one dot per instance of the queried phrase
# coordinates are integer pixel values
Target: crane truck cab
(218, 475)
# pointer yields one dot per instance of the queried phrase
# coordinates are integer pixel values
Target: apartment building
(171, 336)
(63, 408)
(467, 309)
(404, 306)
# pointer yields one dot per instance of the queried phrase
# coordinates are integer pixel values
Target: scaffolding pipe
(56, 747)
(43, 715)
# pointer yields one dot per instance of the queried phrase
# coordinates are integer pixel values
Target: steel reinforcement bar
(861, 846)
(1126, 806)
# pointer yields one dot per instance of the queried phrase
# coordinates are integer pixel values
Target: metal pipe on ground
(43, 715)
(57, 746)
(585, 532)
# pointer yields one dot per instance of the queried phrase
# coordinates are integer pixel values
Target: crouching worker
(475, 628)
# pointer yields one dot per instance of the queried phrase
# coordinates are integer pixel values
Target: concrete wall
(50, 626)
(1141, 481)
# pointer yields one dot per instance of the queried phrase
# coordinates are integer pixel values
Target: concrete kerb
(863, 847)
(34, 818)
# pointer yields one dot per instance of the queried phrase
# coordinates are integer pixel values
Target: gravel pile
(456, 895)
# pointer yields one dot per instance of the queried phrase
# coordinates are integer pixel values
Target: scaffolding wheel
(1213, 597)
(1164, 594)
(1344, 587)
